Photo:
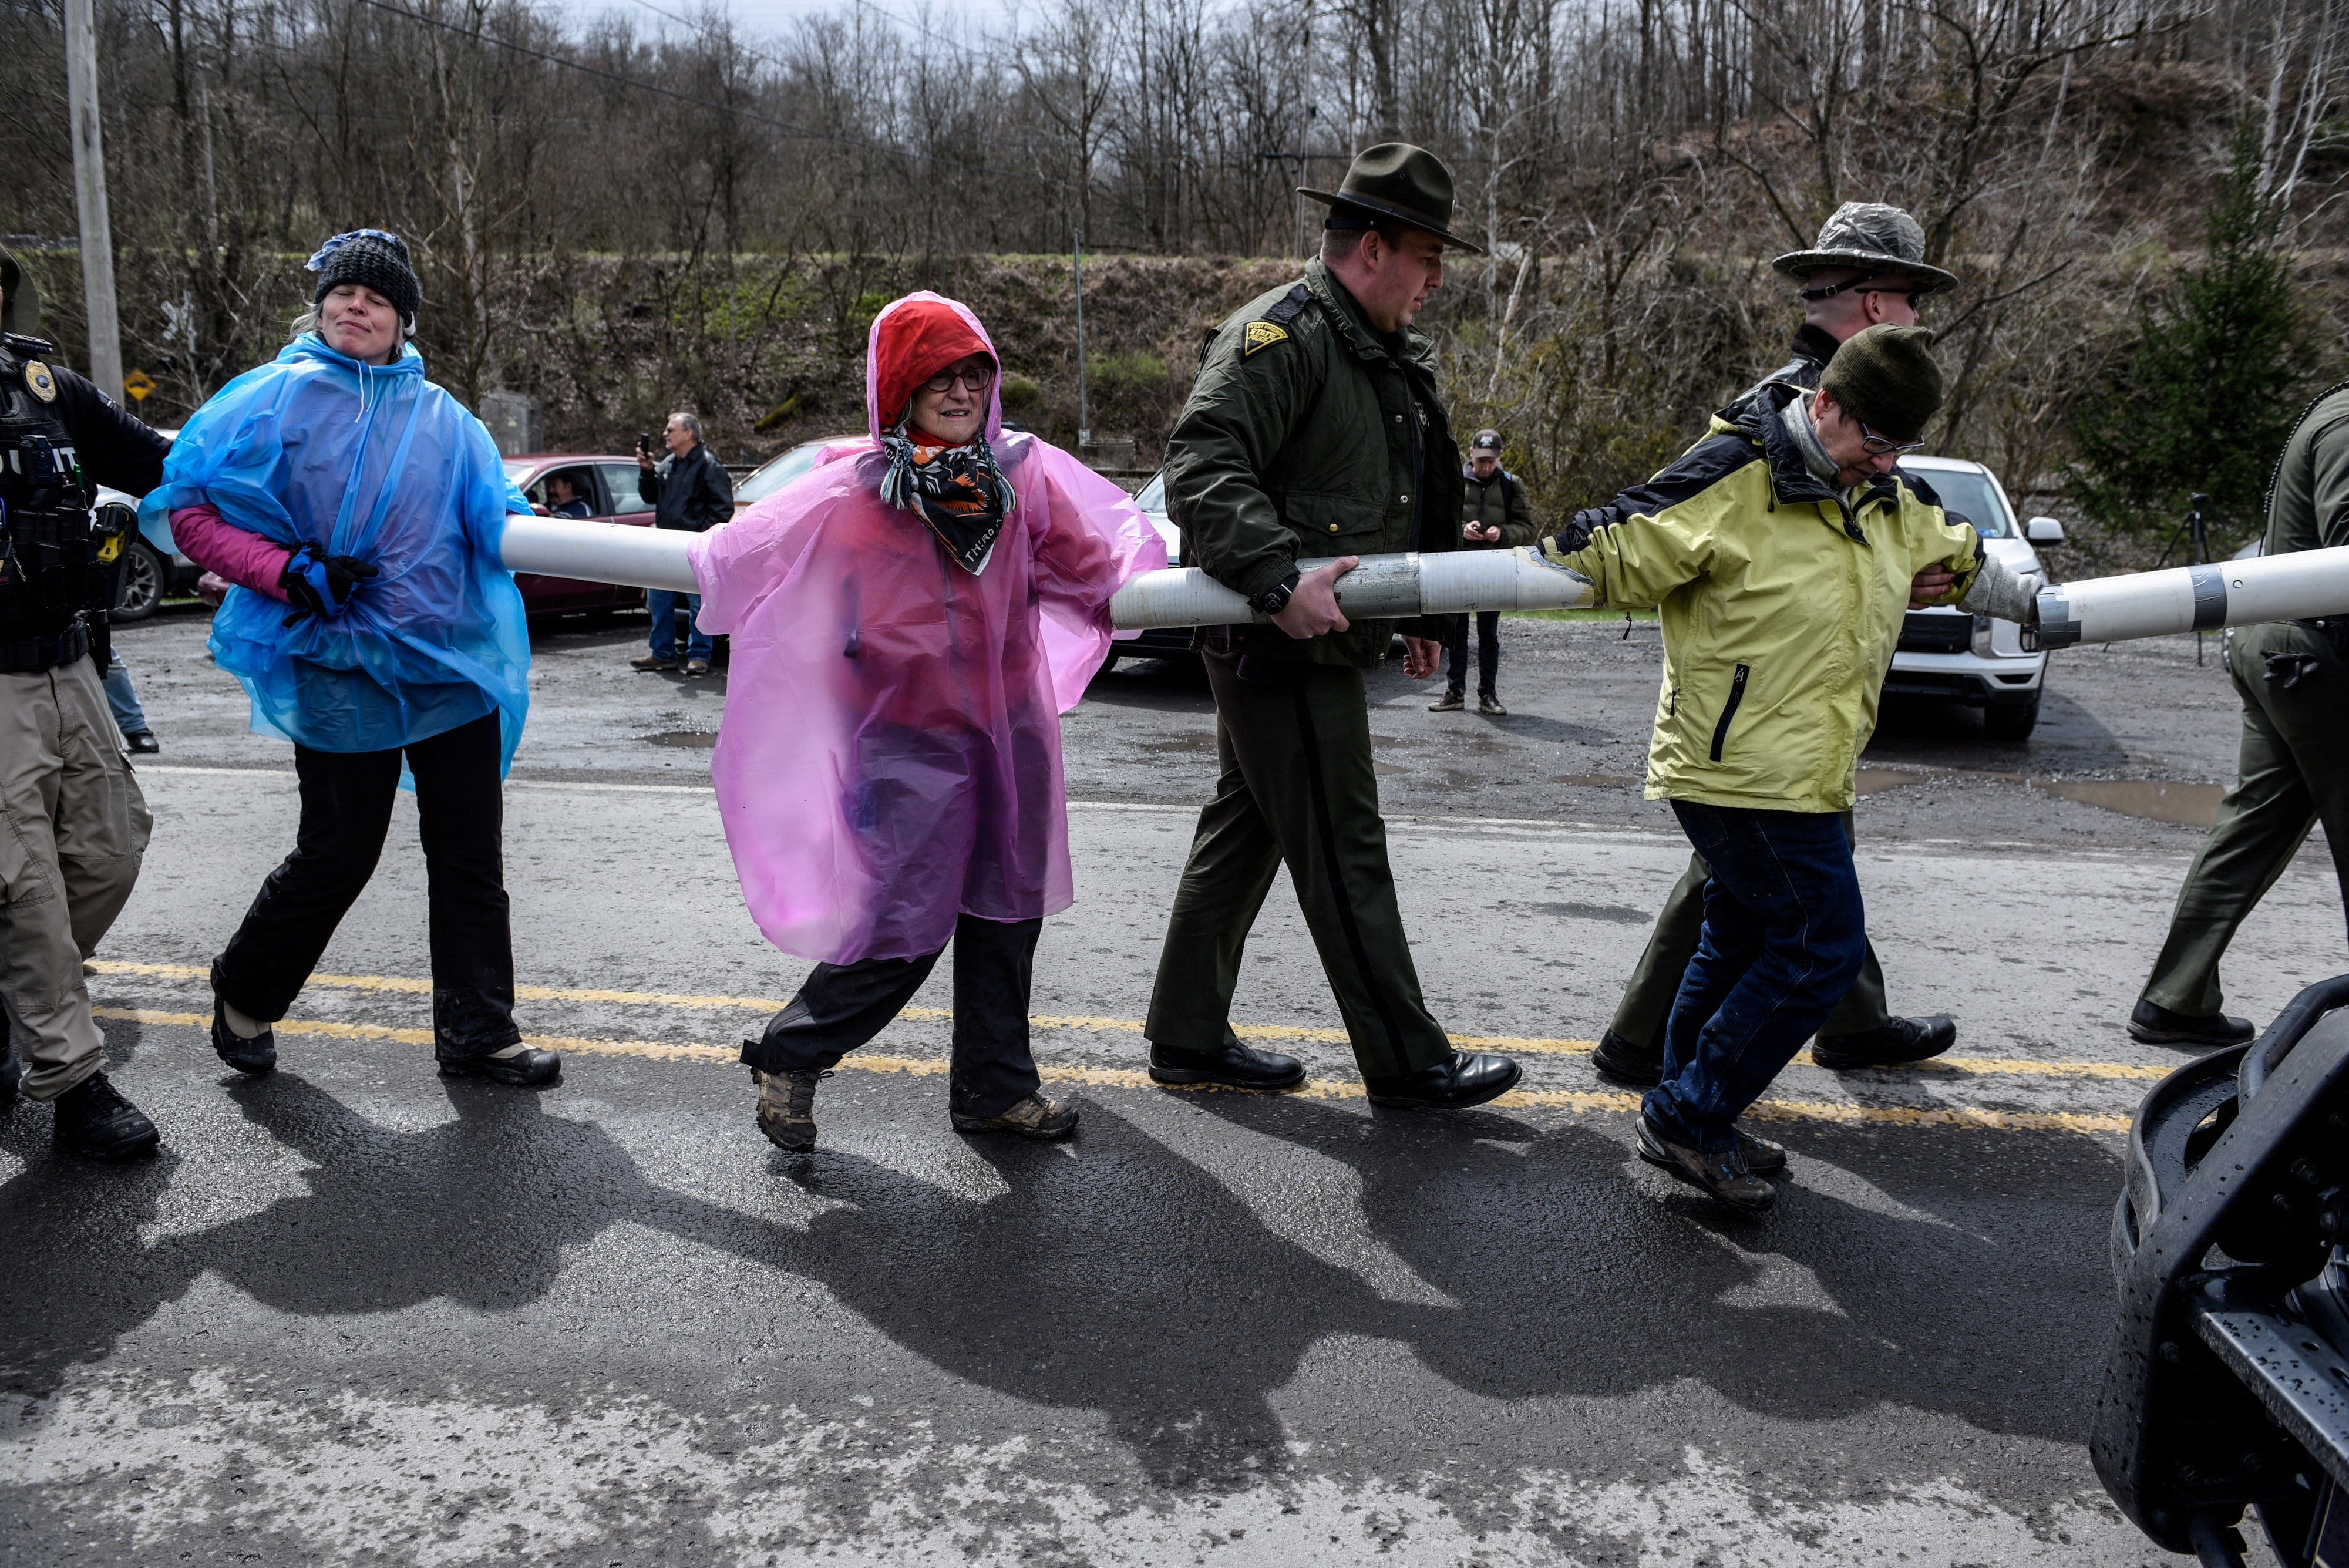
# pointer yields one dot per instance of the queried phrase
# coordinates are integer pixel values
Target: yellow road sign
(138, 383)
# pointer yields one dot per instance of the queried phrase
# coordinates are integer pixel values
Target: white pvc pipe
(2303, 586)
(599, 551)
(1381, 587)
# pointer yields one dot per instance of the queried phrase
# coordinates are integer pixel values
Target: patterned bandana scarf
(957, 491)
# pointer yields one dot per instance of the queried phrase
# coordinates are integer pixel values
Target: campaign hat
(1397, 181)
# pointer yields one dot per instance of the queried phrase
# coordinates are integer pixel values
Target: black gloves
(322, 584)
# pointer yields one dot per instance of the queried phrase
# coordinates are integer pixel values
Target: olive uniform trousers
(1646, 1004)
(1296, 785)
(73, 829)
(2293, 773)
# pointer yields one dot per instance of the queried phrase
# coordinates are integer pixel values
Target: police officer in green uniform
(2293, 678)
(1865, 268)
(1315, 432)
(73, 827)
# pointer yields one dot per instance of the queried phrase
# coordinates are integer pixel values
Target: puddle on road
(2156, 800)
(691, 740)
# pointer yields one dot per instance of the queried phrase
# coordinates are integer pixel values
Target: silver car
(1972, 659)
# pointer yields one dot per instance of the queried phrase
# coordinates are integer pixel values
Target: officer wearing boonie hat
(1865, 268)
(1315, 432)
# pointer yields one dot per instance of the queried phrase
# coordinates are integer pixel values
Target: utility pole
(89, 196)
(1084, 411)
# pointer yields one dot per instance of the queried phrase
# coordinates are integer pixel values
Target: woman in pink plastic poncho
(909, 621)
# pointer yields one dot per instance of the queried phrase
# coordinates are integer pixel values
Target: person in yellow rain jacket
(1780, 584)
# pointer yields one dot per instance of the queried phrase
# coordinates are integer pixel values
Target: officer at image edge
(77, 823)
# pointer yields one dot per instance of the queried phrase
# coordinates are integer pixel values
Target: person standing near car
(73, 824)
(2294, 679)
(1867, 269)
(1315, 429)
(1493, 515)
(357, 508)
(688, 489)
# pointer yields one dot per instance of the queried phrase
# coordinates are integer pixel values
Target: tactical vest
(53, 564)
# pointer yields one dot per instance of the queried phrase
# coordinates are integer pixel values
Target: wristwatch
(1274, 599)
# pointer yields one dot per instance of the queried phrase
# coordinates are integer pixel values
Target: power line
(786, 127)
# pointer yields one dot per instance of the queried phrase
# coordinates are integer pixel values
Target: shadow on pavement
(1117, 1276)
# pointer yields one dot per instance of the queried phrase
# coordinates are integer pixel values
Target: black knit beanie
(1886, 378)
(372, 258)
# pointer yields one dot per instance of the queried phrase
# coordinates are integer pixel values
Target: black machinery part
(2227, 1386)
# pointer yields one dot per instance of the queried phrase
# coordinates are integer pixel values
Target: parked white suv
(1974, 659)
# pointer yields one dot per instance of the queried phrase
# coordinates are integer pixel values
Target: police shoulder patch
(37, 377)
(1261, 334)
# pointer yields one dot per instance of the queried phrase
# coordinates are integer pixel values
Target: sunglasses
(974, 381)
(1882, 446)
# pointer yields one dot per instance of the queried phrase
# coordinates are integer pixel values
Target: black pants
(844, 1005)
(1488, 653)
(347, 800)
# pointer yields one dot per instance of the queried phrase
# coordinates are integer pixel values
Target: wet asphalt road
(355, 1311)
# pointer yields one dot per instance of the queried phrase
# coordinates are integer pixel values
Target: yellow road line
(1579, 1100)
(2018, 1066)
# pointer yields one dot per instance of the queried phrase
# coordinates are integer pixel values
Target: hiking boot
(651, 662)
(1762, 1157)
(1450, 702)
(1489, 703)
(94, 1121)
(1469, 1078)
(2157, 1025)
(515, 1064)
(1034, 1116)
(1723, 1177)
(1618, 1059)
(787, 1107)
(696, 667)
(12, 1073)
(143, 743)
(1235, 1067)
(1901, 1040)
(256, 1055)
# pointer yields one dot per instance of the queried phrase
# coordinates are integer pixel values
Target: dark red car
(608, 485)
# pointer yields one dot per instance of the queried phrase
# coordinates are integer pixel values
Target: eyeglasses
(974, 381)
(1829, 291)
(1875, 445)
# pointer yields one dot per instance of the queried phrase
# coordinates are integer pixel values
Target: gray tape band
(2209, 597)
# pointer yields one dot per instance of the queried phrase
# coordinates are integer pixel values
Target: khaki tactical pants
(73, 827)
(1646, 1004)
(2293, 773)
(1297, 787)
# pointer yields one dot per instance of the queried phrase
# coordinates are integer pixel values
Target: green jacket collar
(1365, 340)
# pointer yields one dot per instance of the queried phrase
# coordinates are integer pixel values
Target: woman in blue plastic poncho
(358, 507)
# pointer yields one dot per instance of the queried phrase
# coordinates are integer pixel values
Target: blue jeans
(662, 604)
(129, 717)
(1784, 938)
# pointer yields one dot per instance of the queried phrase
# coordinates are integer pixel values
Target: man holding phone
(688, 489)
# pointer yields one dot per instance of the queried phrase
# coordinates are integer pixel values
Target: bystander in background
(1493, 515)
(688, 489)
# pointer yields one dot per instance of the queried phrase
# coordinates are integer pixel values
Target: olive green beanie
(1886, 379)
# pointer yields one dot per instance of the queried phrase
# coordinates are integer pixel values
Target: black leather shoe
(256, 1055)
(12, 1073)
(144, 743)
(1470, 1078)
(1618, 1059)
(94, 1120)
(1762, 1157)
(1235, 1067)
(2157, 1025)
(1723, 1177)
(1901, 1040)
(514, 1065)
